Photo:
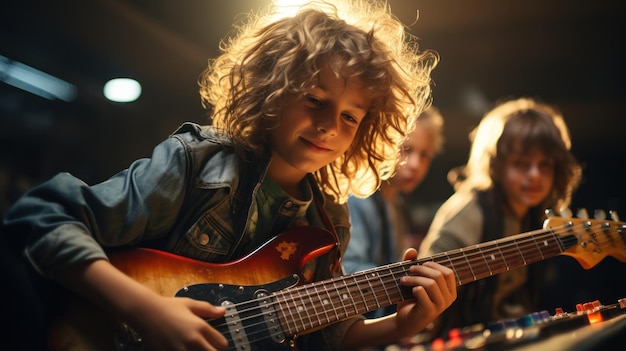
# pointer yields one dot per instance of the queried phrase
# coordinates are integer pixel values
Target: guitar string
(541, 249)
(381, 277)
(464, 256)
(375, 281)
(538, 253)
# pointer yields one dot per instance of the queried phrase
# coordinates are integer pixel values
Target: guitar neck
(483, 260)
(319, 304)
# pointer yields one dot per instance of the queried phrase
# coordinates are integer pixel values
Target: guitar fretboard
(318, 304)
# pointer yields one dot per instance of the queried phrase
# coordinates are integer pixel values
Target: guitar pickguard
(250, 317)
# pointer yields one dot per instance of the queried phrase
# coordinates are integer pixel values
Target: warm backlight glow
(288, 8)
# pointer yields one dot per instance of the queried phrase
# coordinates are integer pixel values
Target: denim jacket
(371, 225)
(192, 197)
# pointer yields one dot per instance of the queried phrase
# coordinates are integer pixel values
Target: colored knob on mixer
(526, 321)
(579, 308)
(496, 327)
(454, 333)
(544, 316)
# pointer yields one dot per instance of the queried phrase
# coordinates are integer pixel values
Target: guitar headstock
(589, 241)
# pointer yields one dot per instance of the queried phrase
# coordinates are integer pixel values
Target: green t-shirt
(275, 212)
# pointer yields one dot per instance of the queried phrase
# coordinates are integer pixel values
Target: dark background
(566, 53)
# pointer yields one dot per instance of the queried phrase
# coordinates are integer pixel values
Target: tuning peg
(614, 215)
(582, 213)
(566, 212)
(599, 214)
(549, 212)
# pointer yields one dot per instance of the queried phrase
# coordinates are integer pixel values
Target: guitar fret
(382, 289)
(360, 291)
(394, 282)
(506, 264)
(348, 295)
(532, 253)
(481, 268)
(520, 252)
(487, 262)
(340, 299)
(466, 271)
(287, 308)
(513, 254)
(306, 308)
(498, 259)
(372, 288)
(539, 249)
(316, 309)
(456, 272)
(371, 291)
(311, 310)
(556, 247)
(331, 299)
(545, 248)
(384, 282)
(405, 292)
(551, 246)
(301, 310)
(287, 305)
(469, 265)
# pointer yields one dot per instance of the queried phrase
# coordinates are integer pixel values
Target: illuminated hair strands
(273, 59)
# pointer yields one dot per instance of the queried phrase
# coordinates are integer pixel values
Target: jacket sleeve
(457, 223)
(64, 220)
(364, 236)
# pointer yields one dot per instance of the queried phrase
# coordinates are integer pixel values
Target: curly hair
(522, 125)
(271, 61)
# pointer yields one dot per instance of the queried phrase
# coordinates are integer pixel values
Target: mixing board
(593, 326)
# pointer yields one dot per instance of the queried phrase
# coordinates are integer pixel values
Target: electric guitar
(267, 305)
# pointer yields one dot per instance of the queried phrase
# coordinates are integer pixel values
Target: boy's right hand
(179, 323)
(164, 323)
